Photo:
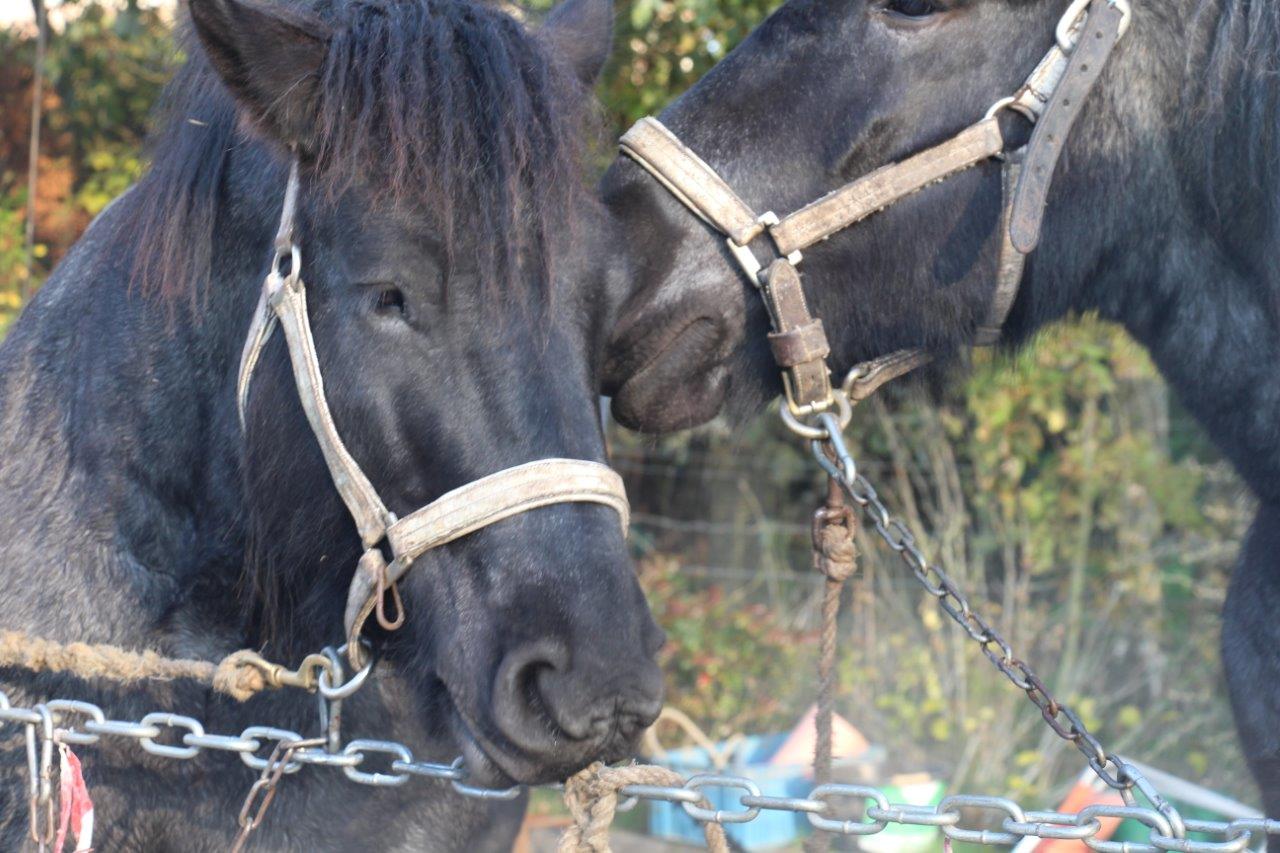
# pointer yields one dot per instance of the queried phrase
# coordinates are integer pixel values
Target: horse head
(824, 93)
(440, 228)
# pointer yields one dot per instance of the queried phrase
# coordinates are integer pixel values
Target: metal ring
(998, 106)
(1077, 10)
(352, 684)
(981, 836)
(812, 433)
(1157, 822)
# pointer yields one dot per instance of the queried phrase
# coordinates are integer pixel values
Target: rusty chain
(834, 457)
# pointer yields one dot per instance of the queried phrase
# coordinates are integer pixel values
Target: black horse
(1162, 217)
(460, 331)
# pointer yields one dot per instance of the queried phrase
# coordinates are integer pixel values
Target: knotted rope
(239, 675)
(834, 555)
(592, 799)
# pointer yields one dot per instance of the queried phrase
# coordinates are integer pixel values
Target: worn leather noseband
(1051, 98)
(453, 515)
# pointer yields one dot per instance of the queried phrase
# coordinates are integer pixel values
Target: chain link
(825, 807)
(850, 810)
(1064, 722)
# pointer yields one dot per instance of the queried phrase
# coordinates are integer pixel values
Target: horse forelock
(443, 107)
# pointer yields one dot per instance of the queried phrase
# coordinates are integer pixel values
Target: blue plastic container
(770, 829)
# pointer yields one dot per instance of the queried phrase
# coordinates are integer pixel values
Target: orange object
(1088, 791)
(797, 749)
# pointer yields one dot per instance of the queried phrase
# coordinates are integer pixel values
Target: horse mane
(443, 107)
(1235, 76)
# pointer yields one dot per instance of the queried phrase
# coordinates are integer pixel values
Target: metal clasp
(306, 676)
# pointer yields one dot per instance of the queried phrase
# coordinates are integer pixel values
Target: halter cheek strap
(453, 515)
(1053, 95)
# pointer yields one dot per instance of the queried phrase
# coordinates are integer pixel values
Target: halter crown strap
(1102, 31)
(284, 300)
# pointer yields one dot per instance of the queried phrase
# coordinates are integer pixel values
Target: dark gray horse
(1162, 217)
(460, 330)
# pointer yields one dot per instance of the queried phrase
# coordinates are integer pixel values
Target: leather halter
(1051, 98)
(453, 515)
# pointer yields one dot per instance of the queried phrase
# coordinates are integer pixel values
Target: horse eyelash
(914, 9)
(389, 298)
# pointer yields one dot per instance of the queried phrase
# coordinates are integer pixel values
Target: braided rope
(836, 556)
(234, 676)
(592, 799)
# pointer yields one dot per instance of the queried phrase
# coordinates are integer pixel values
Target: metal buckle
(747, 258)
(806, 410)
(822, 432)
(1077, 10)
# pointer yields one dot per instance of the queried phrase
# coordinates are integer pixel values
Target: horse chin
(490, 766)
(483, 769)
(683, 384)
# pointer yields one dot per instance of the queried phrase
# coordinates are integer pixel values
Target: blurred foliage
(103, 71)
(1063, 488)
(729, 659)
(663, 47)
(1045, 486)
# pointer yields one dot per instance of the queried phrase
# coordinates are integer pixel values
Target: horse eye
(913, 8)
(390, 300)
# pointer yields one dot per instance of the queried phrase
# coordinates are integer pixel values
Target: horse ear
(580, 34)
(271, 58)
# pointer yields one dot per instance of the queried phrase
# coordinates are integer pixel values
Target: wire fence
(1138, 653)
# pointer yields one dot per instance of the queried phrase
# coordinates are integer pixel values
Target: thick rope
(236, 676)
(592, 799)
(835, 556)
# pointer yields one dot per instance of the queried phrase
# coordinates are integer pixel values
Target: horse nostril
(632, 723)
(517, 702)
(540, 700)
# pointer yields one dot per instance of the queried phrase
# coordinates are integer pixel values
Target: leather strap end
(360, 600)
(1101, 32)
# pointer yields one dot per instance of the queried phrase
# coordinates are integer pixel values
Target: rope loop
(592, 799)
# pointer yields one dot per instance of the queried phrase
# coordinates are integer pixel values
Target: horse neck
(1167, 226)
(120, 449)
